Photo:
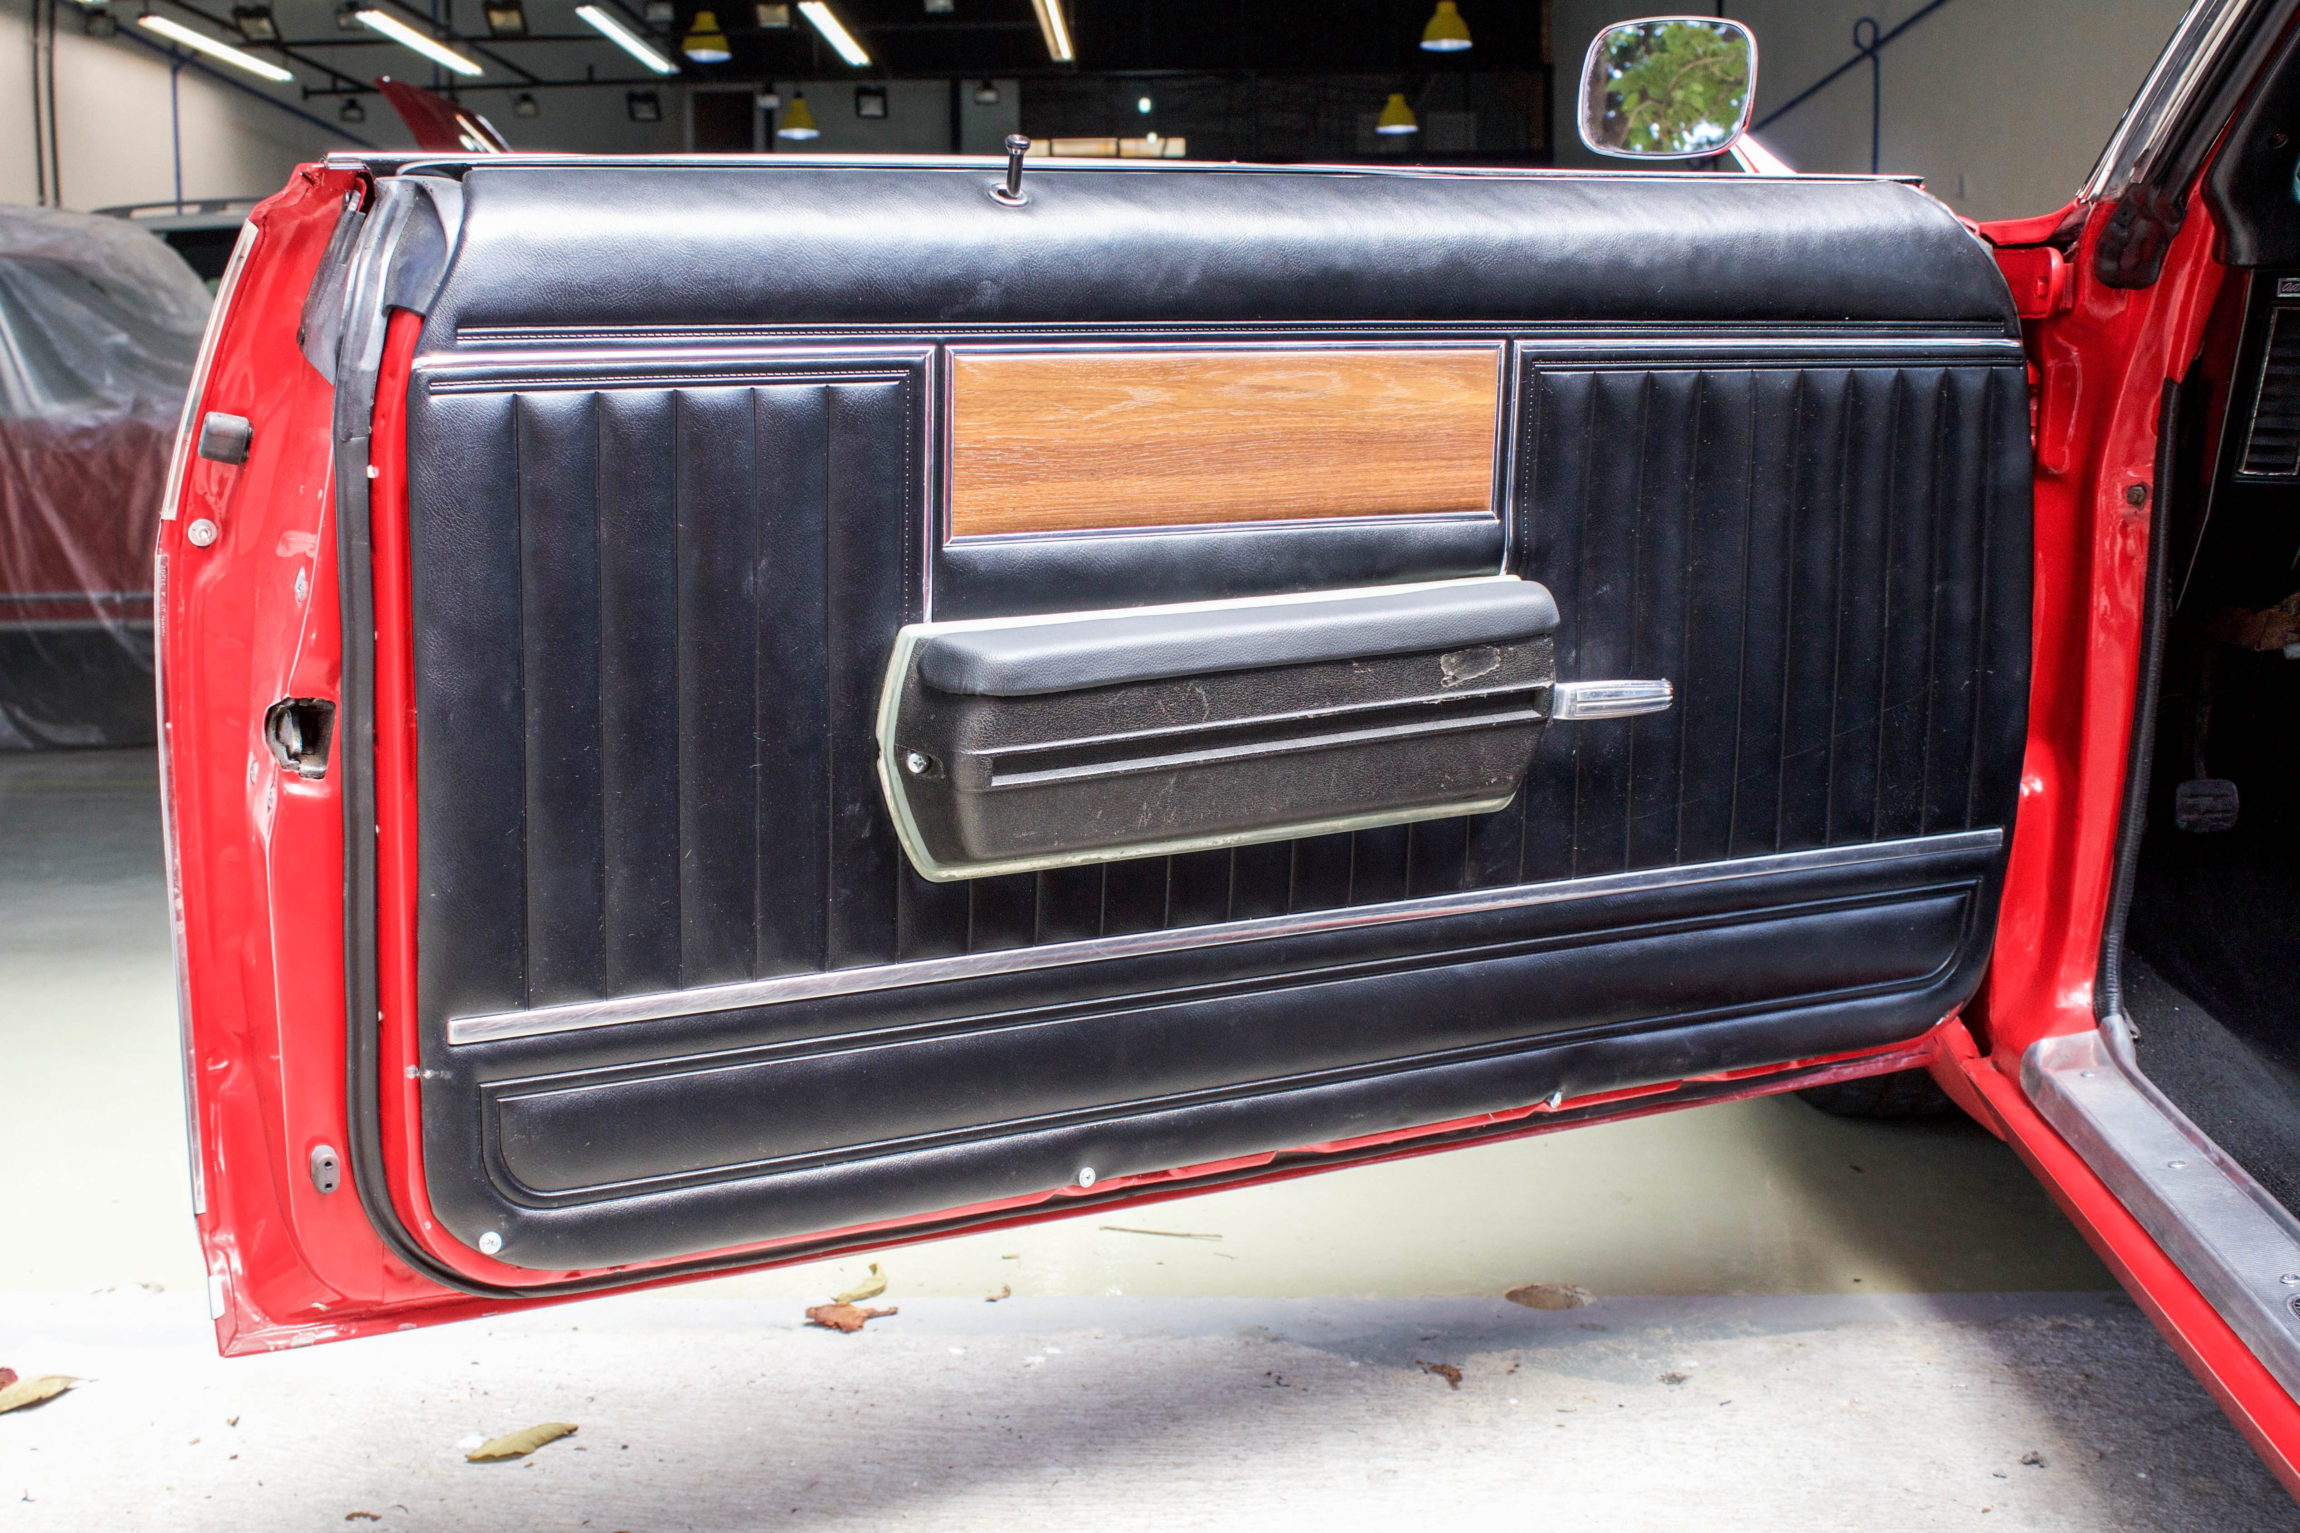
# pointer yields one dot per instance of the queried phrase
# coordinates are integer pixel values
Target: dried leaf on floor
(23, 1392)
(1445, 1371)
(2033, 1459)
(7, 1377)
(844, 1317)
(869, 1288)
(519, 1444)
(1005, 1291)
(363, 1517)
(1550, 1296)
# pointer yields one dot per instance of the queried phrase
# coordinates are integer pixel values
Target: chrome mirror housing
(1668, 88)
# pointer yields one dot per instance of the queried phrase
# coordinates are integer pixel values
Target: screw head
(916, 763)
(2290, 1280)
(1085, 1176)
(202, 533)
(490, 1243)
(2136, 494)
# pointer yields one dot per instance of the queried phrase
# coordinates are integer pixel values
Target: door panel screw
(201, 533)
(1085, 1176)
(490, 1243)
(916, 763)
(2136, 494)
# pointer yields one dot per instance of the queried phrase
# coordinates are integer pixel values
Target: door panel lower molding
(686, 1133)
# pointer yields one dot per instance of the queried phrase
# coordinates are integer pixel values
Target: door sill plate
(2216, 1223)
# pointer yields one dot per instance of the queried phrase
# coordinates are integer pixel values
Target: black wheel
(1902, 1094)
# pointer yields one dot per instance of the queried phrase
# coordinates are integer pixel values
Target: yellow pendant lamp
(1396, 117)
(706, 44)
(1447, 32)
(798, 122)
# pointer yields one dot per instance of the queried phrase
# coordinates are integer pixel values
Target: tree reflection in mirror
(1669, 87)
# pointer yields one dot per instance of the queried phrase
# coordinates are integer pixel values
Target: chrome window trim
(577, 1016)
(2179, 72)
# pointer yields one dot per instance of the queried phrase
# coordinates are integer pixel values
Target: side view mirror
(1668, 88)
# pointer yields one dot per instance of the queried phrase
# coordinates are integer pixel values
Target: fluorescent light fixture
(176, 32)
(1056, 30)
(407, 37)
(834, 33)
(626, 39)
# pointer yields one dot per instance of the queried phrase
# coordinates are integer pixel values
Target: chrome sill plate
(573, 1016)
(2224, 1232)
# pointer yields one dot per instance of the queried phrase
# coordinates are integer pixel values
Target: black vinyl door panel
(677, 482)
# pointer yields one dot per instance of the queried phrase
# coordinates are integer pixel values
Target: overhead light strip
(834, 32)
(199, 43)
(626, 39)
(1056, 30)
(430, 47)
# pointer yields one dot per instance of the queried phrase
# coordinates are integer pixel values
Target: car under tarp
(100, 325)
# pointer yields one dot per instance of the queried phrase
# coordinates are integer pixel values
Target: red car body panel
(263, 957)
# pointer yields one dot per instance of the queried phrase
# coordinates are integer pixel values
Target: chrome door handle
(1608, 699)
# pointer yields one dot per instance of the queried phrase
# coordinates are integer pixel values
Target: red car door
(723, 712)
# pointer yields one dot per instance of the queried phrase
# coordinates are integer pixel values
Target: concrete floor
(1804, 1268)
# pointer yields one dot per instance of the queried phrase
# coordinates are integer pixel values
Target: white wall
(2001, 105)
(117, 129)
(116, 126)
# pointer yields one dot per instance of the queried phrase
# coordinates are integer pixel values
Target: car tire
(1902, 1094)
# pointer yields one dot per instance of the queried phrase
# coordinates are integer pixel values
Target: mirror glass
(1668, 87)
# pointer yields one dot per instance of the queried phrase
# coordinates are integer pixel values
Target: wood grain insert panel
(1081, 441)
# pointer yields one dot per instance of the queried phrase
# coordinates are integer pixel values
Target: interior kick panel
(680, 469)
(1006, 1084)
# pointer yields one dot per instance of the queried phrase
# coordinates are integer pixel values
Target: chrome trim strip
(2210, 1217)
(599, 345)
(575, 1016)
